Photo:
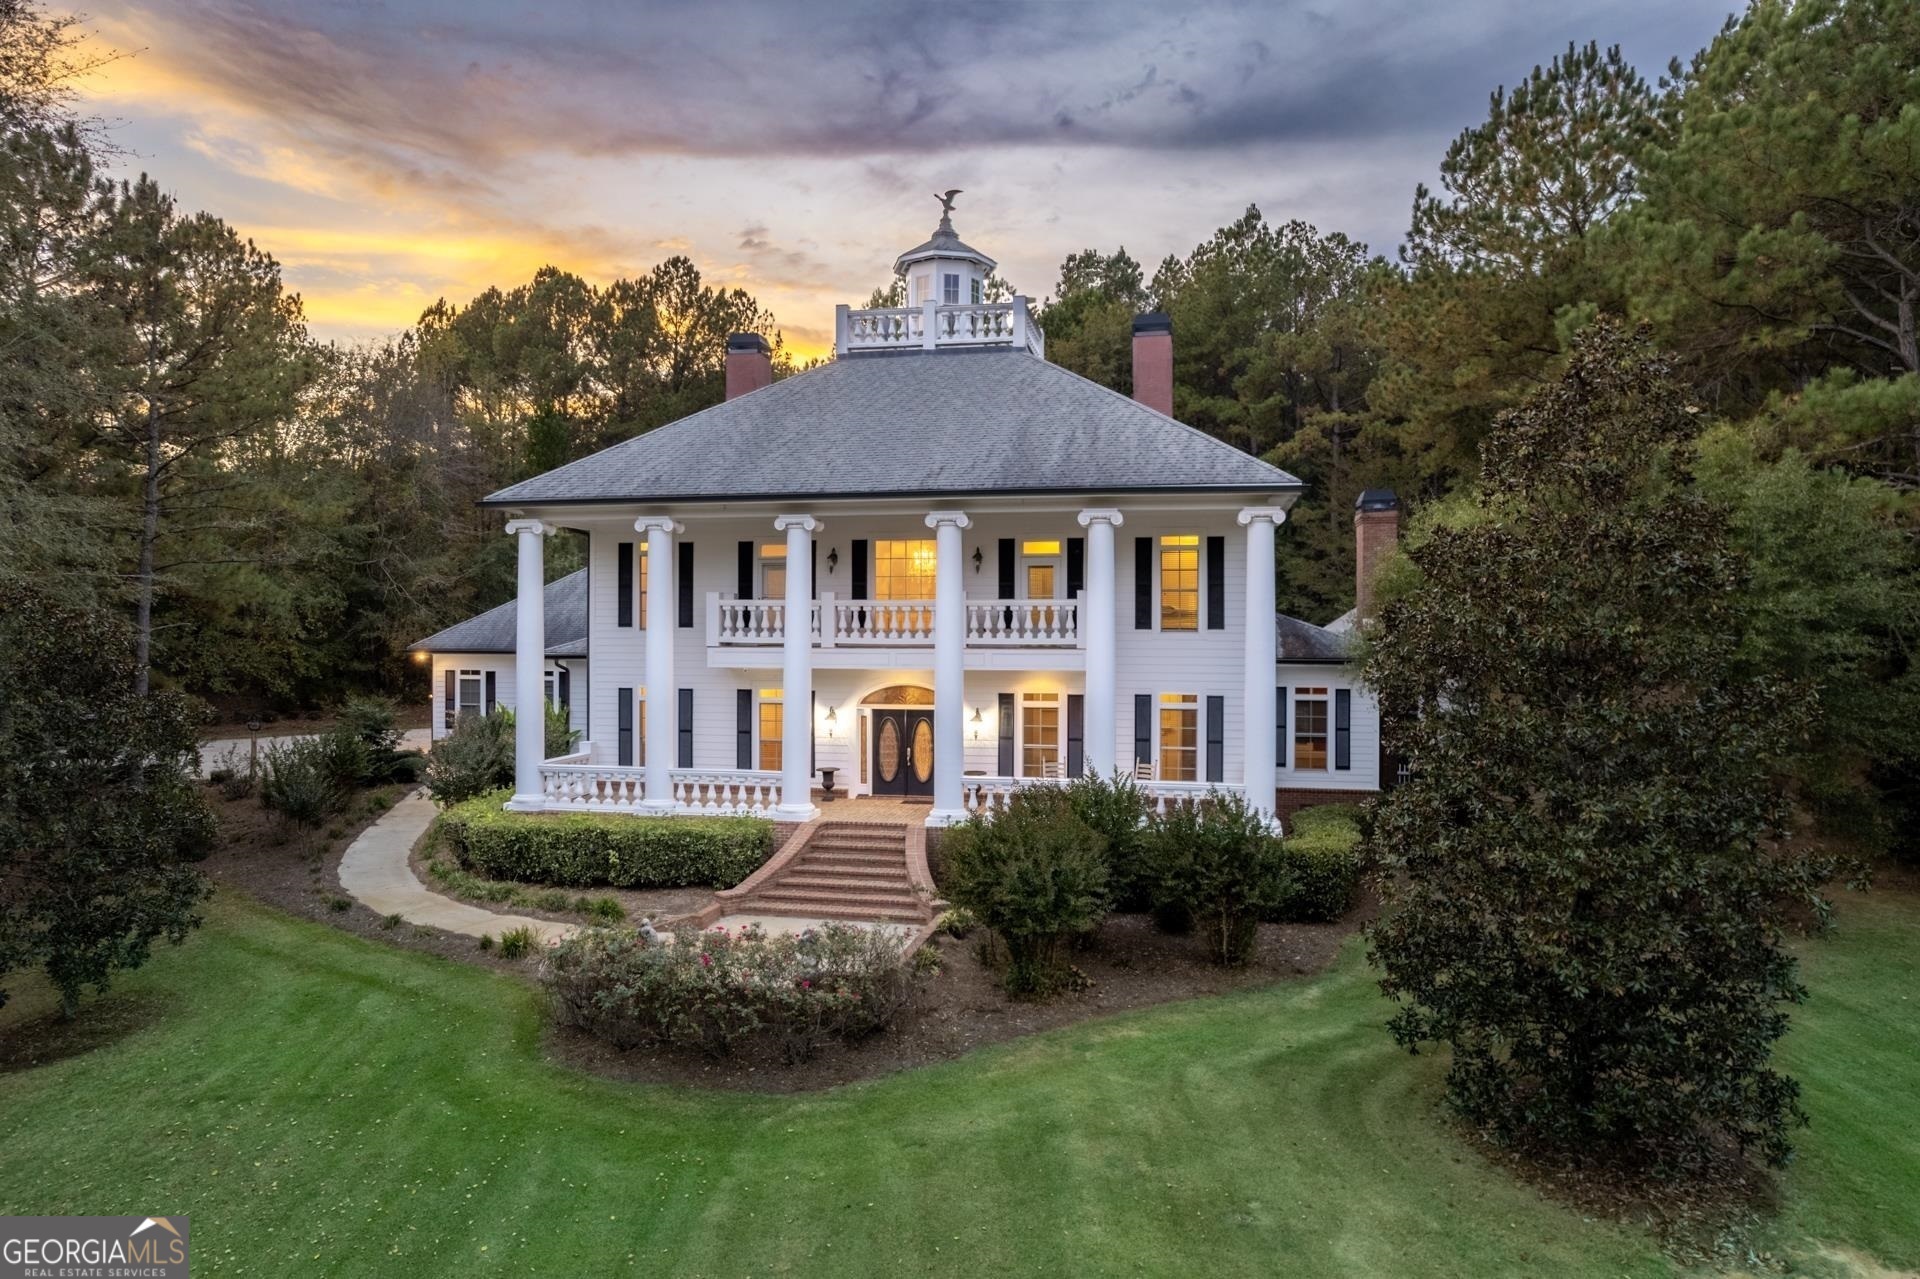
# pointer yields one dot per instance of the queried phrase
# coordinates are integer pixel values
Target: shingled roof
(935, 423)
(493, 631)
(1304, 642)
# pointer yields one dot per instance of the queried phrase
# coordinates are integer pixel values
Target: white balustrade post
(949, 667)
(929, 324)
(1019, 323)
(796, 772)
(1259, 712)
(529, 664)
(663, 699)
(1099, 635)
(841, 329)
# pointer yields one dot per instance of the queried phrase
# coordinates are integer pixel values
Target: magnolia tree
(1585, 900)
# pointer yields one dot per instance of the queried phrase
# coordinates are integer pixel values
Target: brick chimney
(1153, 361)
(1376, 531)
(749, 363)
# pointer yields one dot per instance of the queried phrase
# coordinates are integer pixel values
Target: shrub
(562, 736)
(299, 782)
(721, 992)
(1117, 808)
(580, 849)
(957, 921)
(476, 757)
(1217, 861)
(517, 943)
(486, 941)
(604, 910)
(1322, 857)
(1035, 874)
(373, 722)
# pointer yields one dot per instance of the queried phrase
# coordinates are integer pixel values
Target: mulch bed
(1130, 964)
(658, 904)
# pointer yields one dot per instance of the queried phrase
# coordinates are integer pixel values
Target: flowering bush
(721, 992)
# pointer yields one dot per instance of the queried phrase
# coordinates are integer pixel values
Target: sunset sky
(390, 153)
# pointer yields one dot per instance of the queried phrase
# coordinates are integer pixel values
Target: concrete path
(215, 753)
(374, 871)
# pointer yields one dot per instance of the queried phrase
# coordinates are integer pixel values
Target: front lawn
(317, 1101)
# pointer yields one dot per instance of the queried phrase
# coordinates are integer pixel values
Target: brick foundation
(1287, 802)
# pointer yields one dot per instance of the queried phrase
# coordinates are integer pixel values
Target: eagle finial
(946, 203)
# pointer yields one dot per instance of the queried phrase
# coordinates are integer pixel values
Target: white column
(1099, 627)
(529, 661)
(949, 667)
(663, 698)
(796, 687)
(1259, 710)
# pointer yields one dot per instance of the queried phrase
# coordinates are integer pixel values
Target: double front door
(902, 752)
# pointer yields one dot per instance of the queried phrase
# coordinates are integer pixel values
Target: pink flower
(806, 985)
(706, 961)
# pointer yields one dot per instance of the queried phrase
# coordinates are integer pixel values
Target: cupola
(945, 270)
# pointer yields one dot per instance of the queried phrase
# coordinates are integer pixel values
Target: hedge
(583, 849)
(1322, 853)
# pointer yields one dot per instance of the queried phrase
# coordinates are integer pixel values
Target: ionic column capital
(1101, 515)
(663, 523)
(1274, 514)
(539, 528)
(781, 523)
(957, 519)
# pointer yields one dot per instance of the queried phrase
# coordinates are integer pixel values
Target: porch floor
(885, 810)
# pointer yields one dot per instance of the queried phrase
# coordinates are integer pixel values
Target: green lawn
(320, 1102)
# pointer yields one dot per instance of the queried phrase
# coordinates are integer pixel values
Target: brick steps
(845, 871)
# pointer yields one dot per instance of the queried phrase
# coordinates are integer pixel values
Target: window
(1310, 728)
(470, 692)
(1180, 582)
(641, 558)
(552, 682)
(903, 570)
(772, 729)
(1179, 737)
(640, 727)
(1039, 733)
(976, 293)
(950, 289)
(922, 288)
(773, 571)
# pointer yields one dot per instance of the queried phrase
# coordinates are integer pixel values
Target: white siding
(506, 687)
(1365, 773)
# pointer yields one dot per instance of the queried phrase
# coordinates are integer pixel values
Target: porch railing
(933, 326)
(833, 622)
(712, 792)
(990, 794)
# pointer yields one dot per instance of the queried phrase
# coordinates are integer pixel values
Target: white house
(938, 566)
(473, 664)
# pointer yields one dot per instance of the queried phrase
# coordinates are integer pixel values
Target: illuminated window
(903, 569)
(1179, 737)
(773, 571)
(640, 718)
(772, 728)
(1180, 582)
(1039, 734)
(1310, 728)
(643, 585)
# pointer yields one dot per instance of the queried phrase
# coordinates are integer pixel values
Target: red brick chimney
(1153, 361)
(749, 363)
(1376, 531)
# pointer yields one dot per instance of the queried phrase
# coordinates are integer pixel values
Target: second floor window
(1180, 582)
(950, 289)
(641, 591)
(772, 729)
(1179, 737)
(773, 571)
(1310, 728)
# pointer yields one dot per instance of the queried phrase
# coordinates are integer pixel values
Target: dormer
(945, 280)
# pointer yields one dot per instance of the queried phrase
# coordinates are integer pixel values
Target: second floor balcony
(856, 623)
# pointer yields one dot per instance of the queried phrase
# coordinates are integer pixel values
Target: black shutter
(746, 572)
(1280, 726)
(623, 611)
(626, 728)
(859, 568)
(686, 590)
(490, 698)
(686, 727)
(1006, 568)
(1343, 728)
(1006, 735)
(813, 569)
(1142, 583)
(743, 728)
(1076, 734)
(452, 706)
(1216, 739)
(566, 692)
(1216, 583)
(1143, 728)
(813, 744)
(1076, 566)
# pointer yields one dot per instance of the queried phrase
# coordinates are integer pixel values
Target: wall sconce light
(978, 560)
(833, 722)
(833, 560)
(976, 722)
